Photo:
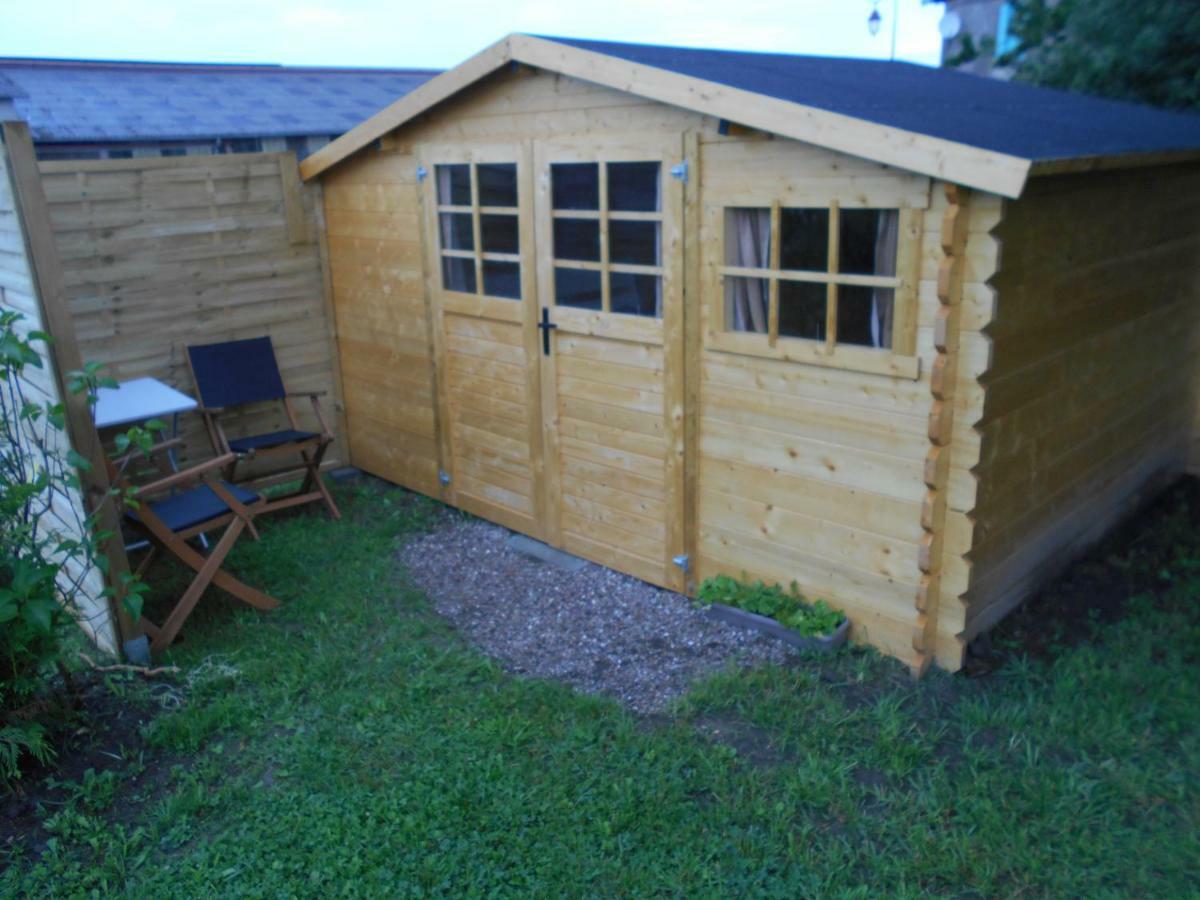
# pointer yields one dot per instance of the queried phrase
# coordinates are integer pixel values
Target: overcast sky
(441, 34)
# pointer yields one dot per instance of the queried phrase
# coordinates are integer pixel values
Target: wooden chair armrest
(210, 410)
(313, 394)
(192, 473)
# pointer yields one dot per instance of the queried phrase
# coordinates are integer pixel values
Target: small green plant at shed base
(788, 607)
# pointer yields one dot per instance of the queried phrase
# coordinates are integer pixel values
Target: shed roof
(90, 100)
(1034, 123)
(977, 131)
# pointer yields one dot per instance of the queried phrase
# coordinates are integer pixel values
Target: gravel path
(596, 629)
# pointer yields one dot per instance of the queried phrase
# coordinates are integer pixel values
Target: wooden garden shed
(906, 337)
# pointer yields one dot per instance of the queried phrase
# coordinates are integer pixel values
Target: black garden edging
(820, 644)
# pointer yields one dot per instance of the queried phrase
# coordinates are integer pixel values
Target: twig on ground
(145, 671)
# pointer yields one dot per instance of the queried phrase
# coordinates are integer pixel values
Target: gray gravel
(595, 629)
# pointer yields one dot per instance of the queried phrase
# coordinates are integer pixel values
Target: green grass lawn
(349, 743)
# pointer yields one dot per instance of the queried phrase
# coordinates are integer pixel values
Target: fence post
(34, 215)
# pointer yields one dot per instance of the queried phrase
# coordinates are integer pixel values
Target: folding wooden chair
(169, 512)
(240, 373)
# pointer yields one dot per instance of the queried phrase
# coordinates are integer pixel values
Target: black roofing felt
(1017, 119)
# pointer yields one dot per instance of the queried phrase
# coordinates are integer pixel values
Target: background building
(982, 26)
(91, 109)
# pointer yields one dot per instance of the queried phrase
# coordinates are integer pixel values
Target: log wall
(1090, 393)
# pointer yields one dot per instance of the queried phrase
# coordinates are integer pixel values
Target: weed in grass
(349, 743)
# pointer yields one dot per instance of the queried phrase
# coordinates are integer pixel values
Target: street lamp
(875, 20)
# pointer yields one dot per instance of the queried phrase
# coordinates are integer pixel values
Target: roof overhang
(963, 164)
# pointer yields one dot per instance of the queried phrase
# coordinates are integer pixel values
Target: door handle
(546, 325)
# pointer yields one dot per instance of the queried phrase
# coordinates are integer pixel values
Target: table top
(138, 400)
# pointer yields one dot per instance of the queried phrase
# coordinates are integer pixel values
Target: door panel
(610, 286)
(478, 211)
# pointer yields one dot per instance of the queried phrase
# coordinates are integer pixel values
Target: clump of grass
(788, 607)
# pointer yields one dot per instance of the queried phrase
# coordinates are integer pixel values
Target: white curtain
(887, 241)
(454, 271)
(746, 298)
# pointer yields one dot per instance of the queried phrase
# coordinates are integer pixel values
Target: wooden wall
(19, 293)
(1090, 394)
(375, 250)
(802, 472)
(161, 253)
(806, 472)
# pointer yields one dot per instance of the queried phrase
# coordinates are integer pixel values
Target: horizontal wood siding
(18, 293)
(161, 253)
(1091, 391)
(375, 251)
(802, 472)
(808, 473)
(374, 248)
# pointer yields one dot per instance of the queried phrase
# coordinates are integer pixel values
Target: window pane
(575, 287)
(635, 295)
(746, 304)
(454, 185)
(575, 185)
(458, 274)
(633, 186)
(748, 237)
(802, 310)
(456, 231)
(502, 279)
(865, 316)
(633, 242)
(497, 184)
(499, 234)
(868, 241)
(805, 239)
(577, 239)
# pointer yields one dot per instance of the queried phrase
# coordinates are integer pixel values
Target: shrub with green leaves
(44, 561)
(787, 607)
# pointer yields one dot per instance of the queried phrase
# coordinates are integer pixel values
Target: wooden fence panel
(161, 253)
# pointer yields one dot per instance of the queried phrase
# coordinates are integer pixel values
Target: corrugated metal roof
(94, 101)
(1004, 117)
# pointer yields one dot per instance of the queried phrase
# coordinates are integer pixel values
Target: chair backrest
(235, 373)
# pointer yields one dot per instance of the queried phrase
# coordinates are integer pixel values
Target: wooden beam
(996, 172)
(1079, 164)
(293, 206)
(407, 107)
(954, 235)
(64, 352)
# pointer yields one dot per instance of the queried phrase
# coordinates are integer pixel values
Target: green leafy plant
(787, 607)
(48, 545)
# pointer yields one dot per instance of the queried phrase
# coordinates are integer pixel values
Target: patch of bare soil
(1095, 590)
(102, 732)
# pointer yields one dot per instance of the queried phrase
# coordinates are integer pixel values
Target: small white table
(139, 400)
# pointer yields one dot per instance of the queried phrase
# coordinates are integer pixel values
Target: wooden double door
(555, 277)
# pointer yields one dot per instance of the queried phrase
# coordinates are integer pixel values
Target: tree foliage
(1146, 51)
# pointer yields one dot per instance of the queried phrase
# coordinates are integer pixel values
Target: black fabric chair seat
(188, 508)
(274, 439)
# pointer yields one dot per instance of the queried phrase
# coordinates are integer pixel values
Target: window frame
(603, 216)
(899, 360)
(476, 210)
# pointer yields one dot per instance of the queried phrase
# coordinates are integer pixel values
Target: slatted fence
(161, 253)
